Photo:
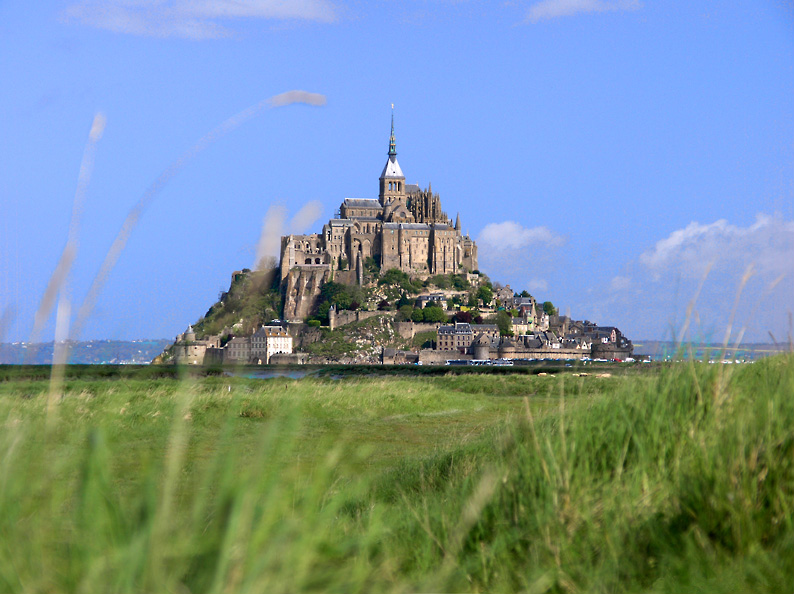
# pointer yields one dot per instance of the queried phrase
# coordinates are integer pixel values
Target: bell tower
(392, 180)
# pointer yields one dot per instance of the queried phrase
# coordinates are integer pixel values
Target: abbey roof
(363, 202)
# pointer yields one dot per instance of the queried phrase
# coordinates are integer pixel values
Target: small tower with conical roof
(392, 180)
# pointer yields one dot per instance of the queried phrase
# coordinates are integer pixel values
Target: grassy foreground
(677, 479)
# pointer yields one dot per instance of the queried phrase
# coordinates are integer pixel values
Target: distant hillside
(84, 352)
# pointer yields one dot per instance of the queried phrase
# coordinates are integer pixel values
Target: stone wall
(430, 357)
(289, 358)
(343, 317)
(345, 277)
(408, 330)
(547, 354)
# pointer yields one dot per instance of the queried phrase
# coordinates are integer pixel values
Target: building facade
(459, 336)
(404, 228)
(268, 341)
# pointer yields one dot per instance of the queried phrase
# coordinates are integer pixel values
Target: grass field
(670, 478)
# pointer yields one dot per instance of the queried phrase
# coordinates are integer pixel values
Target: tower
(392, 180)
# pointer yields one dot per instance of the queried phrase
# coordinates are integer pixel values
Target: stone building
(187, 350)
(238, 350)
(460, 336)
(268, 341)
(404, 228)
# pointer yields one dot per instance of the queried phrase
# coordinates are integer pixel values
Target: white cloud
(538, 284)
(620, 283)
(550, 9)
(190, 19)
(704, 281)
(767, 244)
(510, 235)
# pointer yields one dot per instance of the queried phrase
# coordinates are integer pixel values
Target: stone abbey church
(404, 228)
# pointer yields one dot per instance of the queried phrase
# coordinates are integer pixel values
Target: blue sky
(619, 158)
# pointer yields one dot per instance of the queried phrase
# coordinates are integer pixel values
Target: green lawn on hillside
(677, 478)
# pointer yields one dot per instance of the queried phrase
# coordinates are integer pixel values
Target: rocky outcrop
(302, 291)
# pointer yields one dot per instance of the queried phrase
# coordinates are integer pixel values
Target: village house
(238, 350)
(268, 341)
(460, 336)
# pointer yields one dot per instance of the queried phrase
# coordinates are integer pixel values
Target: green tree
(486, 294)
(459, 282)
(371, 266)
(393, 276)
(505, 323)
(548, 307)
(343, 296)
(405, 313)
(442, 281)
(525, 293)
(322, 311)
(434, 314)
(418, 315)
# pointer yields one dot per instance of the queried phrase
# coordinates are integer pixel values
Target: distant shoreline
(85, 352)
(662, 348)
(141, 352)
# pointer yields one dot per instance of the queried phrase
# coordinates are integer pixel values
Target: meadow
(675, 477)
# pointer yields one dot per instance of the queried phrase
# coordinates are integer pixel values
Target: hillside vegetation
(253, 298)
(669, 479)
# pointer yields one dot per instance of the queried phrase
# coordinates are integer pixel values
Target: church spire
(392, 142)
(392, 180)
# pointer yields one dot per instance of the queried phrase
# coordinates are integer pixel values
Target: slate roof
(482, 340)
(363, 203)
(392, 169)
(485, 327)
(410, 226)
(459, 328)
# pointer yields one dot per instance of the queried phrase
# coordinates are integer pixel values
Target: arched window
(317, 260)
(308, 261)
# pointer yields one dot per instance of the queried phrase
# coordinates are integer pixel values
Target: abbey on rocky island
(403, 228)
